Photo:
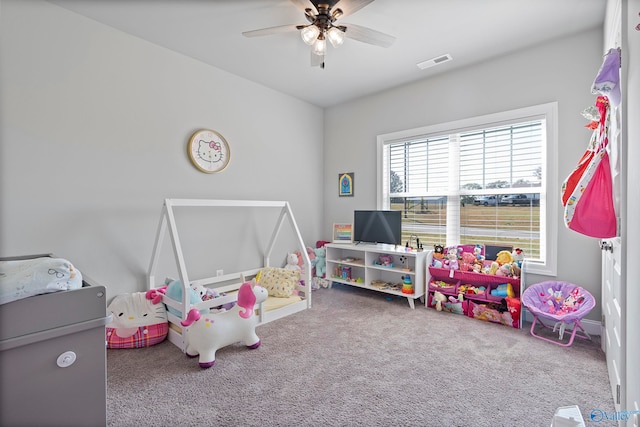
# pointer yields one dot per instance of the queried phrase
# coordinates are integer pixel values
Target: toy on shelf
(518, 257)
(407, 286)
(471, 290)
(438, 299)
(503, 290)
(210, 332)
(405, 262)
(451, 261)
(504, 257)
(384, 260)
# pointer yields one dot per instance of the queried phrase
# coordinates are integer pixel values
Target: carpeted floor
(361, 358)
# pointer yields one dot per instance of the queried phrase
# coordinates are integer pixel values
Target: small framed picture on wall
(342, 233)
(345, 184)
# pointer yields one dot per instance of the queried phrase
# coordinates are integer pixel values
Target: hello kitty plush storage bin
(53, 357)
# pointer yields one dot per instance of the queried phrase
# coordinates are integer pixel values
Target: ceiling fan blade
(304, 4)
(317, 60)
(350, 7)
(367, 35)
(270, 30)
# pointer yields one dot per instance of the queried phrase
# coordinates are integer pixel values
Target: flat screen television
(377, 227)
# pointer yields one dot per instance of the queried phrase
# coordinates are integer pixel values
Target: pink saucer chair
(562, 303)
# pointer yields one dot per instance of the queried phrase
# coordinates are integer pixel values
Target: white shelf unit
(361, 259)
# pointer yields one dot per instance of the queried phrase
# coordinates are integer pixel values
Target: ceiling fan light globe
(309, 34)
(320, 47)
(335, 36)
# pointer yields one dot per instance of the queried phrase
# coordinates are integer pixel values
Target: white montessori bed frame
(294, 305)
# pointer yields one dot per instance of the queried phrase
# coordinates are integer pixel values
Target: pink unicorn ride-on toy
(207, 333)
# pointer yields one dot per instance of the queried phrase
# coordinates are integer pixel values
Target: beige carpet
(361, 358)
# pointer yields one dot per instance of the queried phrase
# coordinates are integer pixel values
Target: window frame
(548, 201)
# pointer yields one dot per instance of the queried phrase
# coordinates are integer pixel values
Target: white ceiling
(469, 30)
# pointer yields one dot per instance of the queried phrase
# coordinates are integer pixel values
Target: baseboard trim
(592, 327)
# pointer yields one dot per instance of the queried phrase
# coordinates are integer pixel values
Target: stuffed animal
(438, 252)
(438, 299)
(174, 291)
(504, 270)
(210, 332)
(518, 257)
(292, 263)
(321, 262)
(504, 257)
(207, 294)
(467, 261)
(139, 320)
(384, 260)
(452, 259)
(493, 269)
(477, 251)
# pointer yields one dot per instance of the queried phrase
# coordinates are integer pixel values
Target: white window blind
(472, 184)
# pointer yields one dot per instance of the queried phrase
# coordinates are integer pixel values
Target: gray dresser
(53, 358)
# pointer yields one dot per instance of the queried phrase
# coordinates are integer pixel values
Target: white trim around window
(549, 217)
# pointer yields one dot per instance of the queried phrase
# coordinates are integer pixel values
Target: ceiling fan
(322, 16)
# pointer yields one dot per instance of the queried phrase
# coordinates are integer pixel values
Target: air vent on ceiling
(434, 61)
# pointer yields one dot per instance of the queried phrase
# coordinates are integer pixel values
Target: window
(489, 180)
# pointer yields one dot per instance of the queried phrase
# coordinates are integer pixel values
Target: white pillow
(24, 278)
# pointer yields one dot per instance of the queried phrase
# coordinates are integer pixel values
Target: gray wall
(95, 123)
(94, 131)
(561, 71)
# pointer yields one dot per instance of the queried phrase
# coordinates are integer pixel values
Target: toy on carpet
(210, 332)
(321, 261)
(138, 321)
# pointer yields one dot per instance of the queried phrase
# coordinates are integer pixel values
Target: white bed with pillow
(288, 292)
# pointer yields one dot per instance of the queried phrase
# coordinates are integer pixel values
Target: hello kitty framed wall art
(209, 151)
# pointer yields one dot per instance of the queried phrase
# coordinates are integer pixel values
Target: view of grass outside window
(425, 218)
(481, 185)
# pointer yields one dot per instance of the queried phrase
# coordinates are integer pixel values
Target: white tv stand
(355, 265)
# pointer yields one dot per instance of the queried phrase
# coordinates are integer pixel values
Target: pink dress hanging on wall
(587, 194)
